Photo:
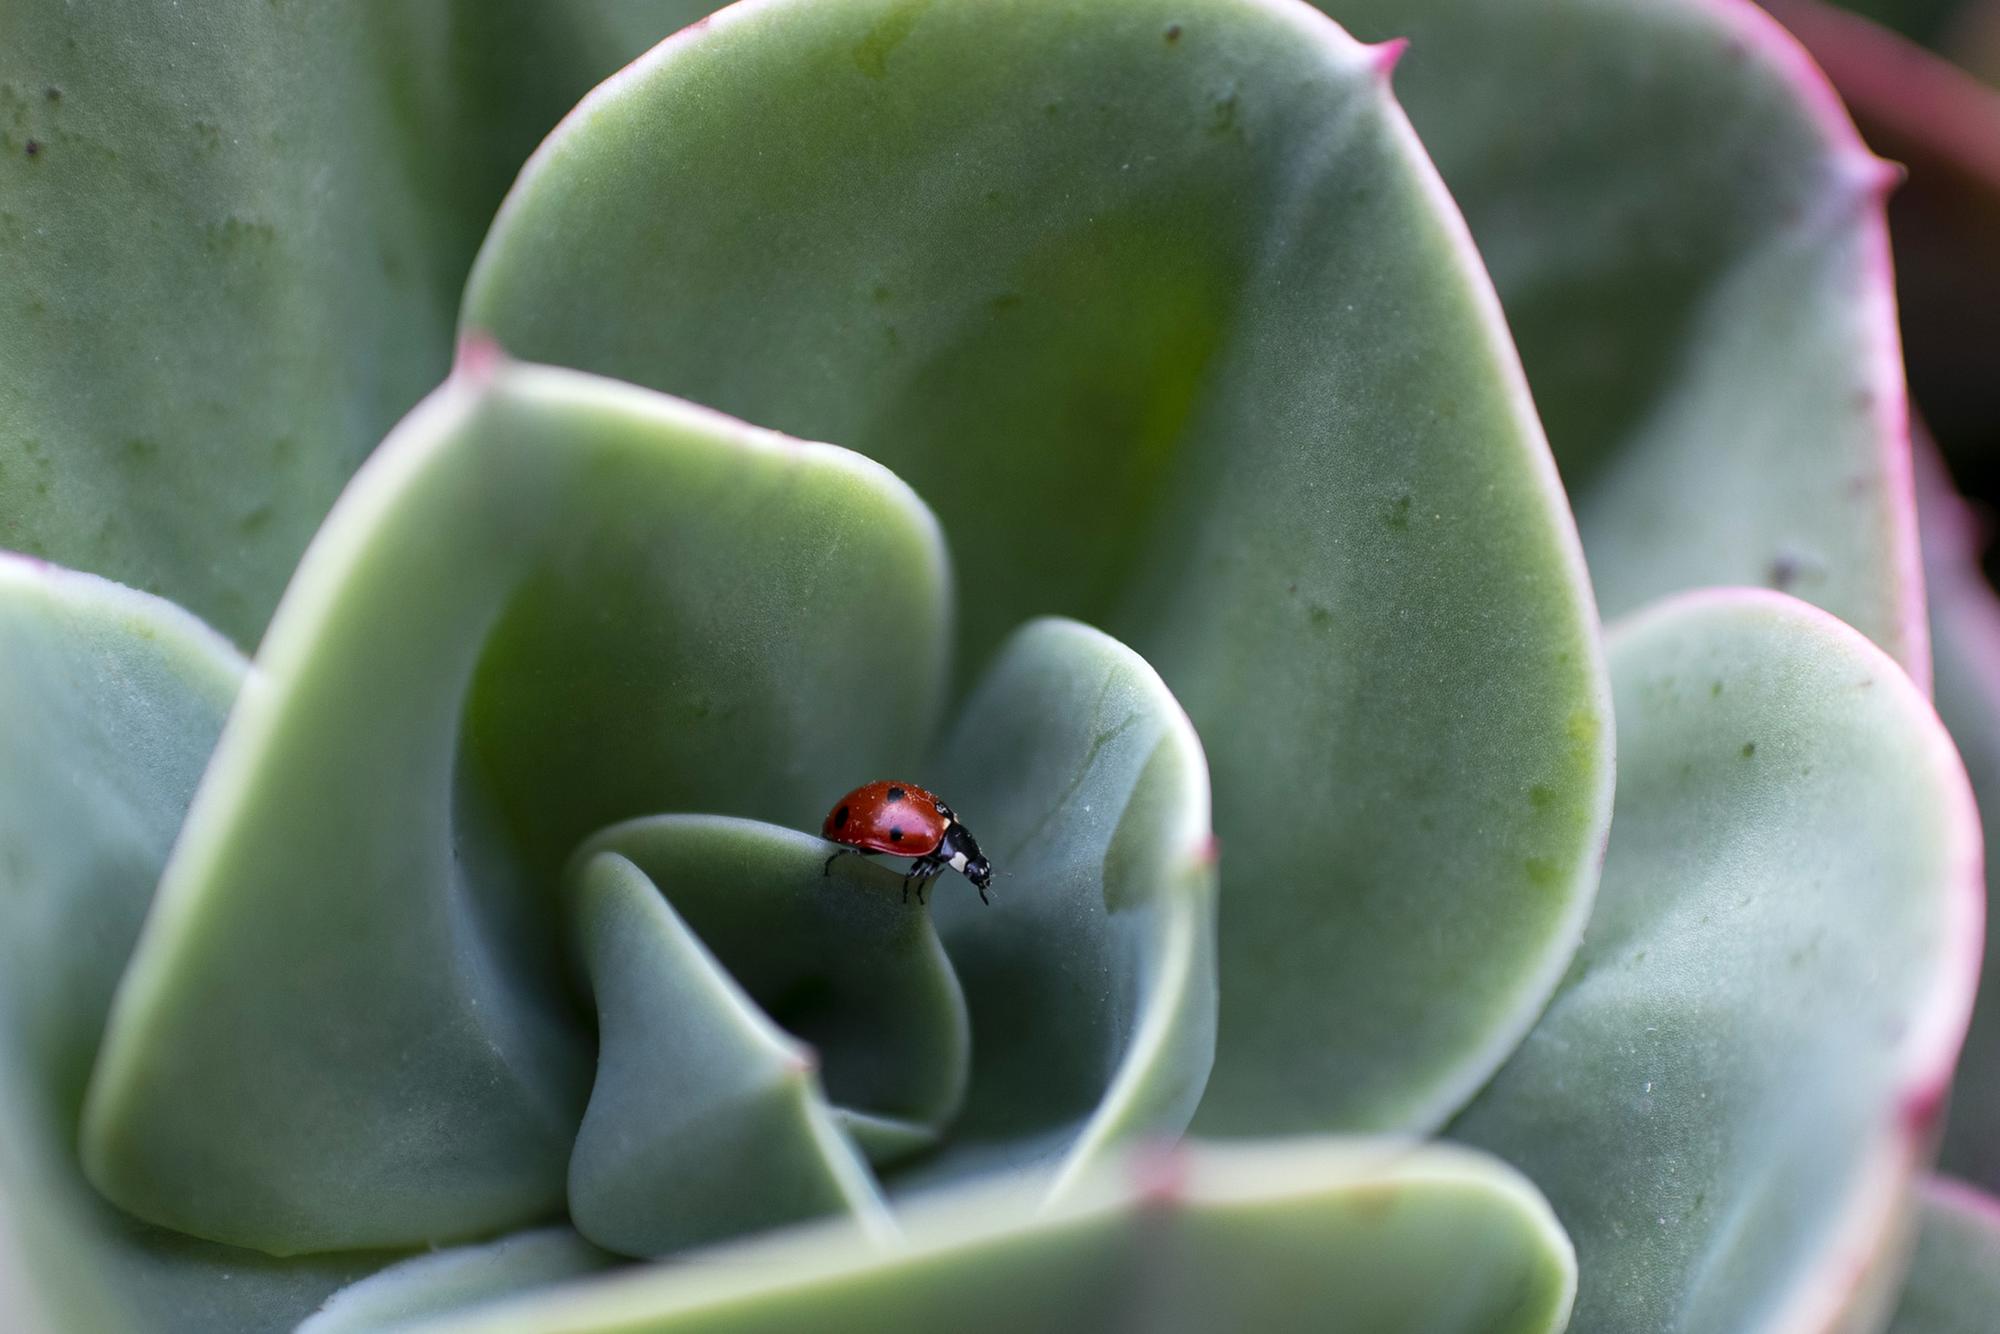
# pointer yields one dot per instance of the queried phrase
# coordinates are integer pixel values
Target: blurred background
(1922, 78)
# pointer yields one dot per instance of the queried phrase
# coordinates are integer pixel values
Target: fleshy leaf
(1161, 305)
(232, 237)
(1727, 1099)
(110, 702)
(1689, 240)
(1329, 1236)
(548, 603)
(1091, 976)
(706, 1121)
(838, 962)
(1954, 1283)
(1965, 635)
(452, 1280)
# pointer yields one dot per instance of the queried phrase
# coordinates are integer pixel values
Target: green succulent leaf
(549, 603)
(1954, 1284)
(1326, 1236)
(110, 702)
(1162, 307)
(831, 955)
(1965, 640)
(1727, 1099)
(449, 1280)
(706, 1120)
(1689, 239)
(232, 238)
(1091, 977)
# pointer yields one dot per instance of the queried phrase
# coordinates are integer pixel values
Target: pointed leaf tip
(1159, 1173)
(1385, 56)
(1878, 176)
(479, 358)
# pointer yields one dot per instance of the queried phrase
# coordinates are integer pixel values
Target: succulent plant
(438, 939)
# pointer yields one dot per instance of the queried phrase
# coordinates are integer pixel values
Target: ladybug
(904, 820)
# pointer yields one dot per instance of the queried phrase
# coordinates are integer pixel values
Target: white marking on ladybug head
(958, 862)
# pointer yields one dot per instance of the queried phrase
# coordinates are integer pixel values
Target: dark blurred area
(1922, 79)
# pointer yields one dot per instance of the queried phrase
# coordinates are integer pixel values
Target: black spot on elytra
(840, 818)
(895, 794)
(895, 836)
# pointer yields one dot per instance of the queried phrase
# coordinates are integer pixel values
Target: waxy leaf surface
(1728, 1097)
(1965, 637)
(1689, 239)
(110, 702)
(549, 603)
(1954, 1283)
(443, 1281)
(705, 1120)
(232, 237)
(1091, 976)
(1329, 1236)
(1163, 310)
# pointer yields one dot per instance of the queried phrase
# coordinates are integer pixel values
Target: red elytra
(904, 820)
(900, 819)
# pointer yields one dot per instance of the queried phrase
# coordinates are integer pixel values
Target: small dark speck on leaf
(1173, 33)
(34, 148)
(53, 94)
(1749, 749)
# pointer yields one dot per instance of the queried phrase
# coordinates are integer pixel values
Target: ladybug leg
(921, 874)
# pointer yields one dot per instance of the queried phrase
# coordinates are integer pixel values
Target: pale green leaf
(1091, 976)
(706, 1121)
(1689, 239)
(1327, 1236)
(1727, 1100)
(110, 702)
(1160, 305)
(1954, 1283)
(550, 602)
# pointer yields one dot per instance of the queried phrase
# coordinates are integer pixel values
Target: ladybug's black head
(963, 854)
